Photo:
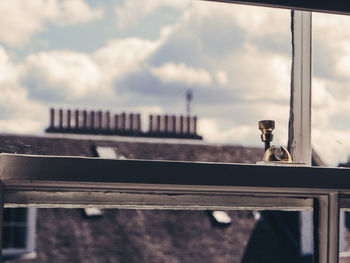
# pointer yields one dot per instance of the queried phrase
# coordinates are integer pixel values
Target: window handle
(272, 153)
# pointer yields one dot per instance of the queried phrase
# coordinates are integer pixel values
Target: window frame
(44, 181)
(29, 247)
(335, 6)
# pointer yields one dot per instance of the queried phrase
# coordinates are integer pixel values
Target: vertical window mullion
(1, 216)
(327, 228)
(299, 141)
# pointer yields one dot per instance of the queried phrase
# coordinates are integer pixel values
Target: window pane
(14, 237)
(169, 236)
(14, 228)
(15, 215)
(227, 64)
(330, 125)
(344, 236)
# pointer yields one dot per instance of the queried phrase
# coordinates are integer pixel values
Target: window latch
(272, 153)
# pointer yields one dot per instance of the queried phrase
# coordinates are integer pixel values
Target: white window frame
(29, 247)
(43, 181)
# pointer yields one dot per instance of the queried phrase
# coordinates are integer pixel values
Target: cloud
(221, 78)
(63, 75)
(124, 56)
(236, 81)
(133, 10)
(19, 20)
(17, 111)
(71, 12)
(181, 73)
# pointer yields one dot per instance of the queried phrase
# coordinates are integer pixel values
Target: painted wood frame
(334, 6)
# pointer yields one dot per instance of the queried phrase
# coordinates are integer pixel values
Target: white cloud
(23, 125)
(123, 56)
(133, 10)
(67, 73)
(221, 77)
(181, 73)
(19, 20)
(255, 21)
(261, 75)
(70, 12)
(17, 111)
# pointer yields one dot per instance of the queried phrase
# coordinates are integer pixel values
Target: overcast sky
(142, 56)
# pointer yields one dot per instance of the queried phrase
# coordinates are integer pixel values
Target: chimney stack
(124, 124)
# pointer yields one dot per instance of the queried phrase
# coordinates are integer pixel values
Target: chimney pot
(52, 118)
(92, 120)
(131, 121)
(151, 123)
(99, 114)
(138, 122)
(195, 125)
(108, 120)
(84, 119)
(116, 122)
(174, 124)
(68, 118)
(123, 121)
(60, 115)
(188, 125)
(166, 119)
(158, 123)
(77, 119)
(181, 124)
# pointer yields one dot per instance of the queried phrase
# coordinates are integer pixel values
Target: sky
(143, 55)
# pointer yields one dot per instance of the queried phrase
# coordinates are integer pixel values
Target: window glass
(122, 235)
(344, 236)
(227, 64)
(15, 228)
(330, 107)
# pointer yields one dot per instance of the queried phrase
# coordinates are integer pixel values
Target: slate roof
(134, 148)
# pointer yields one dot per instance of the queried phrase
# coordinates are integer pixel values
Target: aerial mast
(189, 97)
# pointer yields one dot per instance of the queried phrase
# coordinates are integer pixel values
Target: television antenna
(189, 97)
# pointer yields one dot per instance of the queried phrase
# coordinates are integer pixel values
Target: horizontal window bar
(117, 199)
(35, 171)
(335, 6)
